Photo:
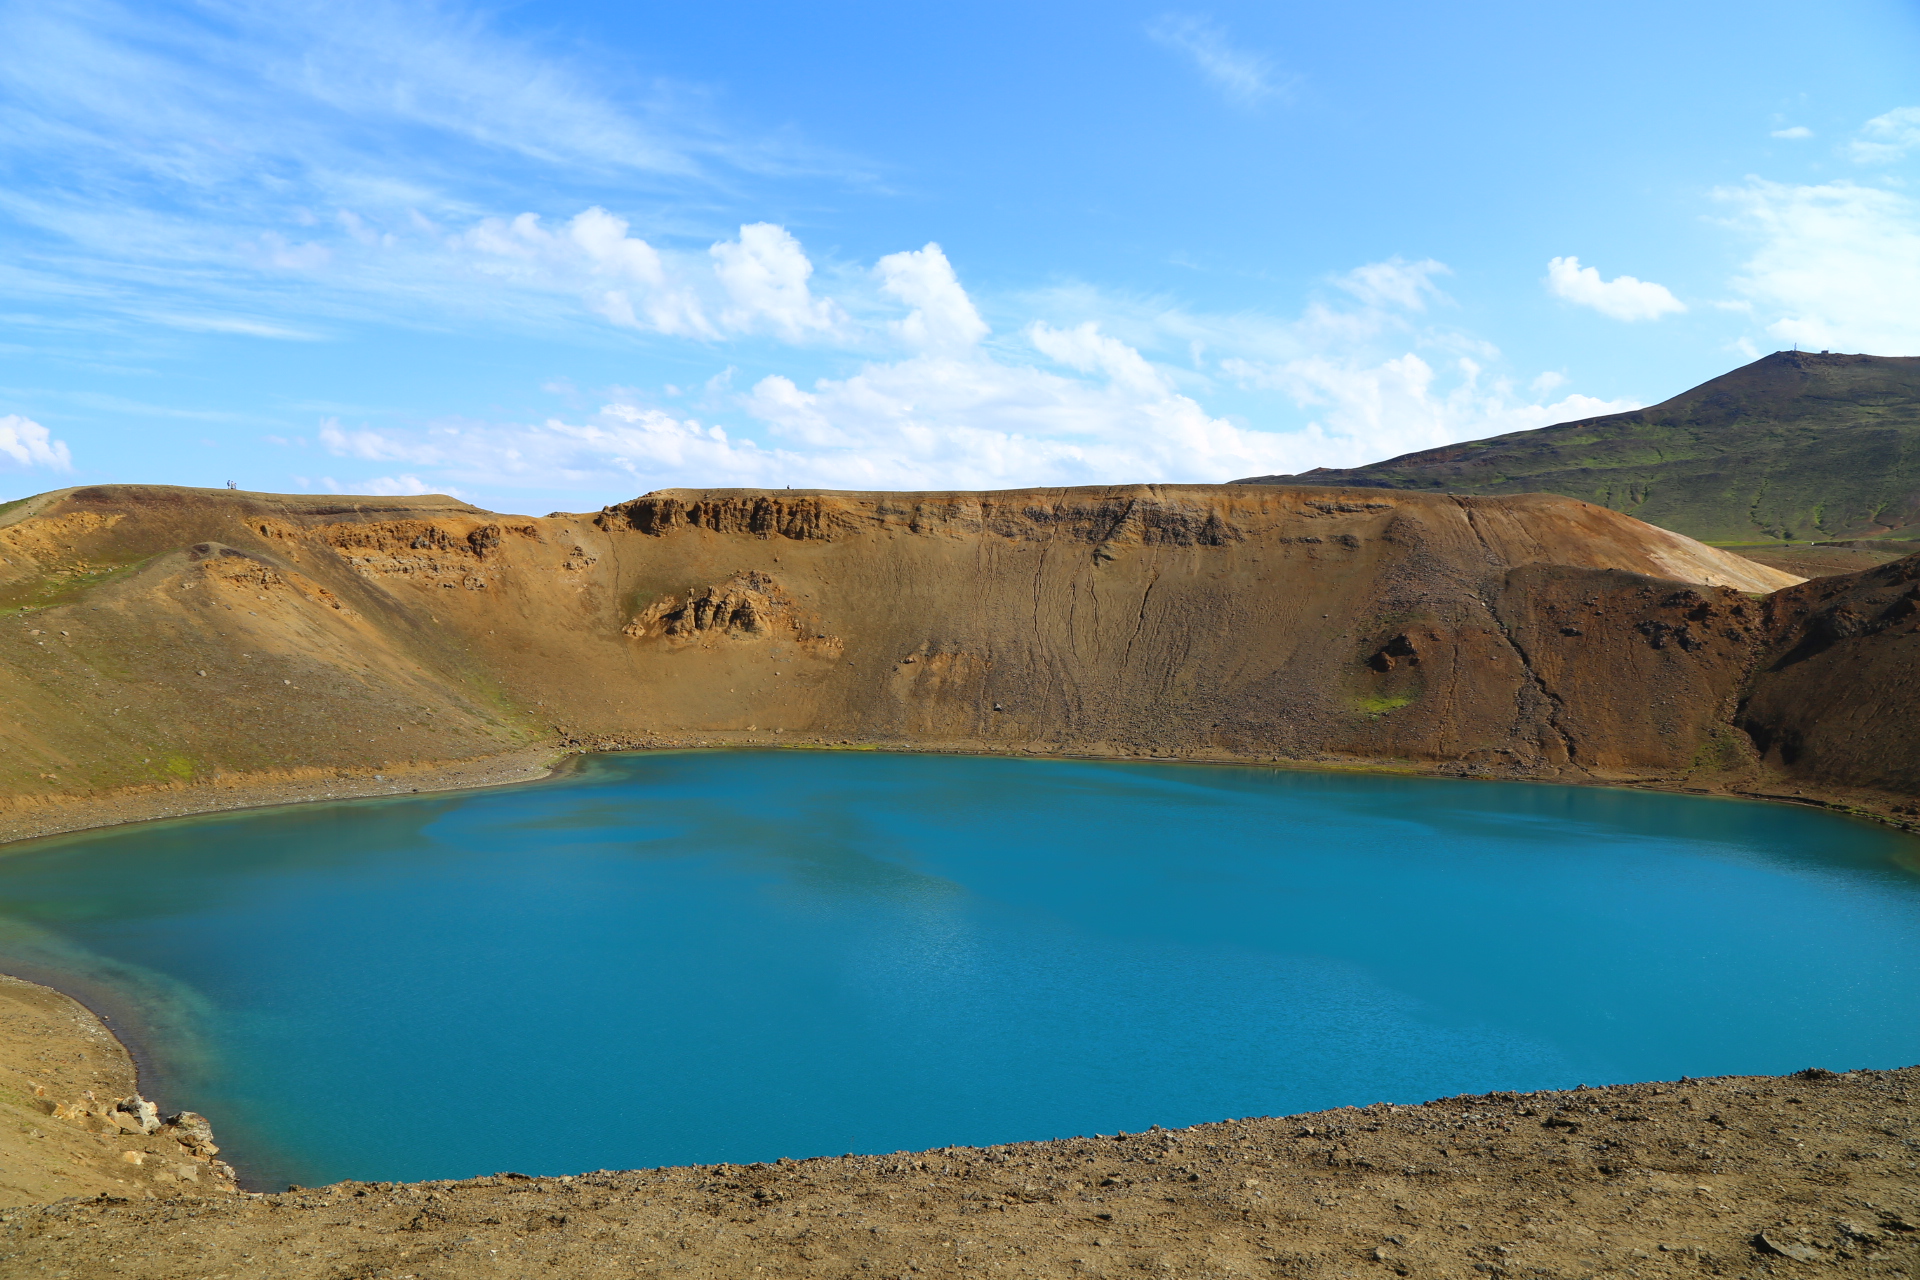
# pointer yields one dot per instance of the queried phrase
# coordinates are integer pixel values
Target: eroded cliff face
(166, 638)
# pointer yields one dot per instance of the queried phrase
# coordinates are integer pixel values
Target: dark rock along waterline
(672, 958)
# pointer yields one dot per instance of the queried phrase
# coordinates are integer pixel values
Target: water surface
(741, 955)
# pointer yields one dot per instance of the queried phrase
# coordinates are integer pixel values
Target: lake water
(741, 955)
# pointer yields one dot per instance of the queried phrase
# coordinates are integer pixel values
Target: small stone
(193, 1132)
(1786, 1248)
(135, 1113)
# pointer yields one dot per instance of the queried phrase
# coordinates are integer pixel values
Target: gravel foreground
(1816, 1173)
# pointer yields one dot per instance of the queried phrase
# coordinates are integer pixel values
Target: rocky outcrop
(758, 515)
(379, 549)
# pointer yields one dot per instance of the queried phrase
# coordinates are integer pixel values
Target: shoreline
(24, 823)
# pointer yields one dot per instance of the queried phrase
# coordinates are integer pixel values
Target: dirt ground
(63, 1131)
(1807, 1175)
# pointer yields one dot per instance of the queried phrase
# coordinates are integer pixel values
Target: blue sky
(551, 255)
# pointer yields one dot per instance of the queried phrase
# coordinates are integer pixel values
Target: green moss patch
(63, 586)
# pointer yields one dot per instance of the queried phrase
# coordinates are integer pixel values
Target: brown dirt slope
(1802, 1176)
(161, 643)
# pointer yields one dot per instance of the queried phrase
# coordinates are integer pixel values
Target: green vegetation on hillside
(1793, 447)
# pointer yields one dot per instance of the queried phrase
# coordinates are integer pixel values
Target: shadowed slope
(1835, 699)
(1795, 446)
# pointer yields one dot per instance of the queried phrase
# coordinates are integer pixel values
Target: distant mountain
(1796, 445)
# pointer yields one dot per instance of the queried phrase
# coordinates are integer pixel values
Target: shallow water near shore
(739, 955)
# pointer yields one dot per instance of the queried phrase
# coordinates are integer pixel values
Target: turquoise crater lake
(740, 955)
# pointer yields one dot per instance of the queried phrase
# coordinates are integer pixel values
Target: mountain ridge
(1794, 446)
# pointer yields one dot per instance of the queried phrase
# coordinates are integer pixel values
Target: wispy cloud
(1834, 265)
(207, 323)
(1887, 138)
(1395, 283)
(1244, 76)
(219, 159)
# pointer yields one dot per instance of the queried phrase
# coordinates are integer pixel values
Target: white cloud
(397, 486)
(758, 282)
(1244, 77)
(1797, 131)
(1087, 350)
(1621, 298)
(1375, 411)
(1888, 137)
(374, 446)
(1836, 265)
(765, 274)
(29, 444)
(940, 421)
(626, 448)
(950, 415)
(929, 421)
(619, 276)
(943, 316)
(1061, 403)
(1395, 283)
